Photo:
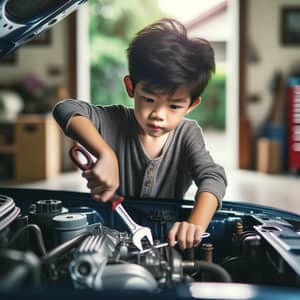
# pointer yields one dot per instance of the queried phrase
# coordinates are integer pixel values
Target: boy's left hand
(186, 234)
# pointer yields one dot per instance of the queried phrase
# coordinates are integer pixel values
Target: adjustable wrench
(138, 231)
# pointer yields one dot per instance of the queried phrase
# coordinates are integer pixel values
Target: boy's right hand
(103, 177)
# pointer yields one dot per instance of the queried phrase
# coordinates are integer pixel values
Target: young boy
(151, 150)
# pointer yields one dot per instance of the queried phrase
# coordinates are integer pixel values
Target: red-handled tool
(138, 231)
(117, 199)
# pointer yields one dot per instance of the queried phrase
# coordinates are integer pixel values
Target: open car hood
(22, 20)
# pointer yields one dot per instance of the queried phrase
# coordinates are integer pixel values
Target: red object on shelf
(294, 124)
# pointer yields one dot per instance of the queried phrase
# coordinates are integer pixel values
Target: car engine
(54, 243)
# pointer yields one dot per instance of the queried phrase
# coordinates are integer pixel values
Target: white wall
(214, 29)
(232, 85)
(264, 34)
(83, 54)
(35, 59)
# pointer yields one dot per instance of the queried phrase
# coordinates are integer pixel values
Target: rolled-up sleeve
(64, 110)
(207, 175)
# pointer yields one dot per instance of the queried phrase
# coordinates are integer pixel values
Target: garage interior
(261, 61)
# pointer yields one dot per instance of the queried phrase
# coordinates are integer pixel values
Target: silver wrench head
(139, 235)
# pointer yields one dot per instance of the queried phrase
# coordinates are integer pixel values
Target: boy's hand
(103, 178)
(187, 234)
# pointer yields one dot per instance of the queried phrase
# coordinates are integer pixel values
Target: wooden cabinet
(32, 145)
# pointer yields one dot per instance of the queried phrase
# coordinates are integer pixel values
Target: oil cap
(69, 225)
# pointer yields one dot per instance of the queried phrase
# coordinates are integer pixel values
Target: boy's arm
(103, 178)
(204, 208)
(210, 179)
(187, 233)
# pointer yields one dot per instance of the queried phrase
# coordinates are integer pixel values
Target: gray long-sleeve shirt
(183, 159)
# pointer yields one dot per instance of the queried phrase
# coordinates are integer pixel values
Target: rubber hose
(217, 271)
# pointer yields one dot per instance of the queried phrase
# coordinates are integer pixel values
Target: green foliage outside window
(211, 111)
(113, 23)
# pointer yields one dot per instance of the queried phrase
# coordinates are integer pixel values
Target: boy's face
(158, 112)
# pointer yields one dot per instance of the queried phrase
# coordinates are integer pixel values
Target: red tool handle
(117, 199)
(74, 156)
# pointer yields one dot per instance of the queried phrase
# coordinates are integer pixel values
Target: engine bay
(55, 239)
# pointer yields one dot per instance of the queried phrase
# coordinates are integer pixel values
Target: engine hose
(219, 273)
(6, 204)
(9, 218)
(38, 233)
(51, 256)
(8, 211)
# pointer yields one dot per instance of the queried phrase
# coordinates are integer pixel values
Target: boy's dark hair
(165, 58)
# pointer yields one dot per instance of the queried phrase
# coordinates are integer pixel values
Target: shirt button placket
(148, 180)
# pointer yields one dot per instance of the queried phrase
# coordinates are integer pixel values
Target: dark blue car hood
(22, 20)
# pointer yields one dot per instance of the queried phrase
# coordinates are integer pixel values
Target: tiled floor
(280, 191)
